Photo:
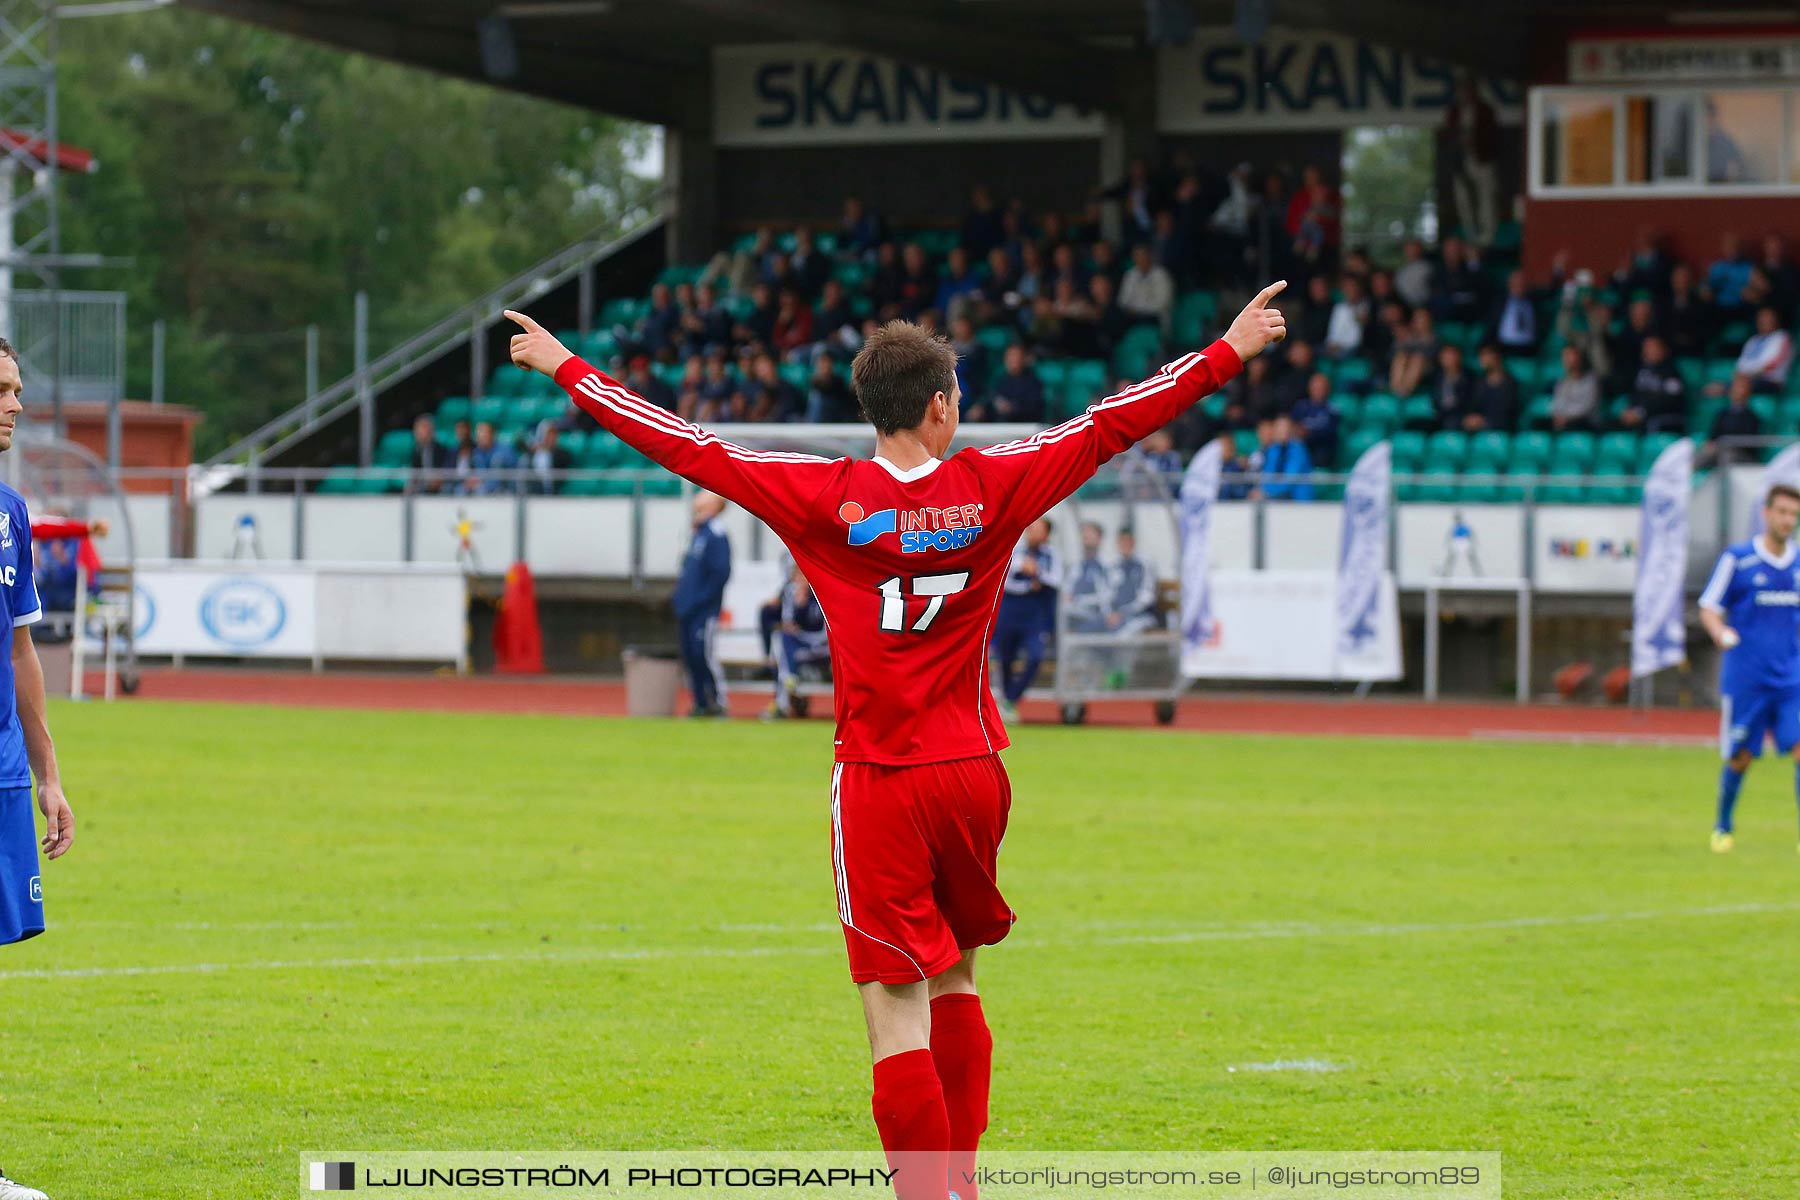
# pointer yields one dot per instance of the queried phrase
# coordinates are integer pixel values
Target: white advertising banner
(1289, 80)
(812, 95)
(217, 609)
(1585, 548)
(1282, 625)
(1686, 58)
(236, 613)
(1658, 609)
(1457, 541)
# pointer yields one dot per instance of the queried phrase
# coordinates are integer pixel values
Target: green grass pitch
(283, 929)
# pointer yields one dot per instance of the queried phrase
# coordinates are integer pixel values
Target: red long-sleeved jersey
(907, 565)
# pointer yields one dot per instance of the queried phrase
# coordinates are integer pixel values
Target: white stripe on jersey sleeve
(1714, 595)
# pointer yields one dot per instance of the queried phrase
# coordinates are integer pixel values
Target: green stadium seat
(1193, 318)
(1214, 406)
(1358, 441)
(1618, 447)
(394, 449)
(574, 441)
(584, 487)
(1349, 370)
(1613, 493)
(1447, 449)
(1565, 487)
(996, 338)
(1650, 446)
(1381, 408)
(1537, 411)
(603, 451)
(1490, 446)
(1246, 442)
(1574, 447)
(1086, 382)
(1484, 491)
(452, 409)
(1419, 412)
(1409, 446)
(1524, 371)
(1053, 373)
(1532, 447)
(338, 481)
(1437, 486)
(491, 409)
(1719, 371)
(1731, 338)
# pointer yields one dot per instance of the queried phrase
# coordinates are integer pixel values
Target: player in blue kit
(1751, 609)
(25, 746)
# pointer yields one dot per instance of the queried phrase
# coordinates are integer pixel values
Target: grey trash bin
(652, 678)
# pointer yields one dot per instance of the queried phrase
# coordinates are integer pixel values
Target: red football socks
(915, 1131)
(963, 1051)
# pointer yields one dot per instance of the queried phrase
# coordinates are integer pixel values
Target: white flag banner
(1783, 468)
(1367, 601)
(1658, 609)
(1199, 497)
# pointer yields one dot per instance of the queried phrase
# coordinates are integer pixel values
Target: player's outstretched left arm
(778, 487)
(1049, 466)
(34, 723)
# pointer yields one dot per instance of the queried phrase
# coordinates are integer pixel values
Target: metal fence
(76, 337)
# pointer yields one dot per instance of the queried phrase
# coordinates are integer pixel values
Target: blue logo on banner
(242, 613)
(144, 608)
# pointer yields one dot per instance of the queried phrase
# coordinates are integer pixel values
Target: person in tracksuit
(799, 639)
(1027, 619)
(1131, 608)
(699, 597)
(1085, 605)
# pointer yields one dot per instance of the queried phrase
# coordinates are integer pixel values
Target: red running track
(1245, 713)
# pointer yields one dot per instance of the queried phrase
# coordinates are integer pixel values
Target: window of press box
(1742, 137)
(1659, 139)
(1575, 140)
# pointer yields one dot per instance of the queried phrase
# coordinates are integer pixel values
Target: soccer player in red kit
(907, 553)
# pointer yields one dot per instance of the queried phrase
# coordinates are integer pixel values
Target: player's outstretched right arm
(778, 487)
(1041, 470)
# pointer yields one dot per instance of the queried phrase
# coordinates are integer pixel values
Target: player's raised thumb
(1269, 293)
(524, 322)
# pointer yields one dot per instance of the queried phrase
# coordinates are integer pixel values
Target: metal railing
(87, 331)
(359, 388)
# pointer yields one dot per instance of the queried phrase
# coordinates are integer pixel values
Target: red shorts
(914, 851)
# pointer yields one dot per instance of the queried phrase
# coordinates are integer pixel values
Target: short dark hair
(7, 351)
(897, 372)
(1787, 490)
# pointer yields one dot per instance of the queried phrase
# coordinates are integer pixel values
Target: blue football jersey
(1759, 594)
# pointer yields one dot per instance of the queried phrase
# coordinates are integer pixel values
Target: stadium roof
(649, 59)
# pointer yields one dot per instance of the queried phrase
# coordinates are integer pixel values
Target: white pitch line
(1674, 741)
(648, 953)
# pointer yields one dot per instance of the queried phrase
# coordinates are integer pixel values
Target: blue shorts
(1748, 716)
(21, 893)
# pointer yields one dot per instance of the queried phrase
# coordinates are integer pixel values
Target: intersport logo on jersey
(919, 529)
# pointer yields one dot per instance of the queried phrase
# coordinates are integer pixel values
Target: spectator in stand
(1162, 458)
(1285, 462)
(1349, 317)
(1147, 294)
(1416, 278)
(1464, 287)
(1110, 321)
(462, 450)
(687, 392)
(997, 299)
(1270, 244)
(1253, 392)
(1658, 394)
(1575, 402)
(766, 396)
(1103, 261)
(1626, 348)
(792, 334)
(1647, 270)
(1381, 289)
(706, 324)
(1726, 278)
(756, 327)
(1767, 356)
(982, 227)
(1229, 223)
(548, 457)
(957, 286)
(1496, 394)
(739, 269)
(971, 361)
(809, 267)
(1515, 321)
(1078, 334)
(1687, 317)
(1383, 335)
(642, 380)
(1784, 280)
(834, 321)
(1138, 201)
(1736, 419)
(1317, 420)
(779, 274)
(1581, 320)
(1313, 222)
(491, 463)
(1291, 383)
(1032, 277)
(430, 459)
(1233, 468)
(860, 232)
(884, 281)
(1757, 292)
(1453, 392)
(715, 394)
(1313, 324)
(1018, 393)
(1357, 266)
(918, 284)
(1415, 353)
(828, 397)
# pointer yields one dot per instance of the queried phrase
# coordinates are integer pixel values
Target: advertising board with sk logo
(235, 613)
